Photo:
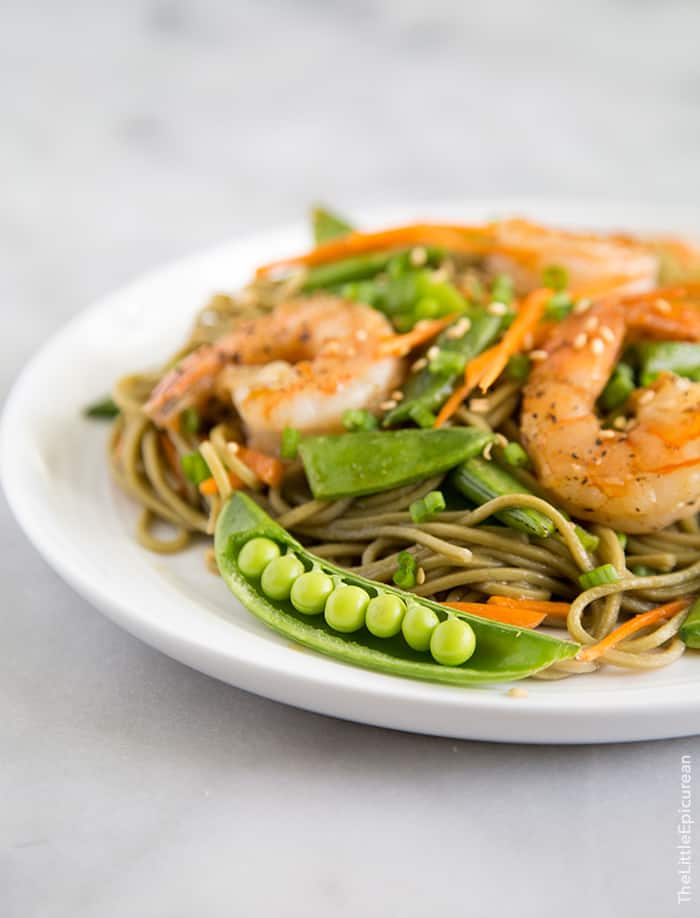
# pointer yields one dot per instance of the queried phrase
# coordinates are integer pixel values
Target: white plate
(56, 480)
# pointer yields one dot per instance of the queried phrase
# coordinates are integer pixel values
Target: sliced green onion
(290, 443)
(559, 306)
(502, 290)
(189, 420)
(422, 416)
(516, 456)
(103, 408)
(424, 509)
(643, 570)
(622, 539)
(447, 362)
(555, 277)
(518, 368)
(195, 468)
(618, 388)
(606, 573)
(405, 576)
(359, 419)
(589, 541)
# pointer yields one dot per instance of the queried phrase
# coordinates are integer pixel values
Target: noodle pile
(461, 555)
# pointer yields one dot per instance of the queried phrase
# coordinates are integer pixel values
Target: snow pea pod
(497, 652)
(427, 391)
(679, 357)
(690, 629)
(327, 225)
(368, 461)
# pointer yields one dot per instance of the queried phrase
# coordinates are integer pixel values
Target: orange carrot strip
(422, 331)
(522, 618)
(208, 487)
(593, 651)
(456, 239)
(269, 469)
(553, 609)
(452, 404)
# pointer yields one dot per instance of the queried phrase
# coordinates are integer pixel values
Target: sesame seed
(501, 440)
(232, 447)
(418, 256)
(582, 306)
(538, 356)
(663, 306)
(420, 576)
(607, 333)
(652, 496)
(682, 383)
(479, 405)
(397, 395)
(592, 323)
(597, 346)
(418, 365)
(646, 397)
(361, 334)
(517, 692)
(388, 405)
(459, 328)
(528, 341)
(607, 434)
(620, 422)
(439, 276)
(433, 352)
(486, 451)
(497, 309)
(580, 341)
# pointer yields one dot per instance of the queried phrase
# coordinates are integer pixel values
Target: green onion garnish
(424, 509)
(358, 419)
(195, 468)
(643, 570)
(189, 420)
(290, 443)
(622, 539)
(405, 576)
(606, 573)
(555, 277)
(422, 416)
(618, 388)
(502, 289)
(448, 362)
(516, 456)
(103, 408)
(518, 367)
(559, 306)
(589, 541)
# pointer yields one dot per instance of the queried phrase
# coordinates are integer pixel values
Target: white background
(134, 132)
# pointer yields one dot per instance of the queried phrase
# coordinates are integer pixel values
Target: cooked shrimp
(626, 264)
(302, 365)
(639, 479)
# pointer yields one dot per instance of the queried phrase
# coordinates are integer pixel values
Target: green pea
(417, 626)
(384, 615)
(279, 576)
(255, 555)
(310, 592)
(452, 642)
(345, 609)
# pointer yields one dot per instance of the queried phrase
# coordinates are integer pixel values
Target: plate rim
(540, 718)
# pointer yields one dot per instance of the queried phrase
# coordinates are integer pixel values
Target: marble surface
(136, 132)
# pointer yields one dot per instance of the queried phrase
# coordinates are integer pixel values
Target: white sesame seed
(528, 341)
(592, 323)
(538, 356)
(517, 692)
(620, 422)
(580, 341)
(683, 383)
(361, 334)
(418, 365)
(607, 333)
(232, 447)
(663, 306)
(652, 496)
(496, 308)
(597, 346)
(607, 434)
(388, 405)
(439, 276)
(501, 440)
(459, 328)
(420, 576)
(418, 256)
(397, 395)
(646, 397)
(479, 405)
(582, 306)
(486, 451)
(433, 352)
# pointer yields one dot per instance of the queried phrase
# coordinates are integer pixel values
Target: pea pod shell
(503, 653)
(353, 464)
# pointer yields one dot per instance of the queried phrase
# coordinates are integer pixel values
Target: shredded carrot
(452, 404)
(521, 618)
(552, 609)
(422, 331)
(455, 238)
(269, 469)
(593, 651)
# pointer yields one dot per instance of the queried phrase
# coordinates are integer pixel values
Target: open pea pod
(502, 652)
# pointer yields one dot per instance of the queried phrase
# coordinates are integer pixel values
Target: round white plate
(56, 480)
